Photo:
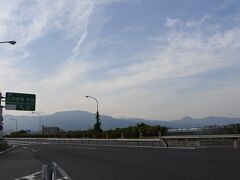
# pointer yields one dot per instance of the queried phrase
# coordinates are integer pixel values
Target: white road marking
(22, 144)
(33, 150)
(37, 175)
(45, 143)
(24, 147)
(30, 177)
(64, 174)
(150, 147)
(131, 146)
(78, 147)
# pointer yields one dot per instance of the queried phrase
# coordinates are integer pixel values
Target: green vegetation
(142, 129)
(97, 125)
(19, 133)
(232, 129)
(139, 131)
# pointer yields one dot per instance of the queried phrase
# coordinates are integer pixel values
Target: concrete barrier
(133, 142)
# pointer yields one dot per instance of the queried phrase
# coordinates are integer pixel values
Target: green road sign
(20, 102)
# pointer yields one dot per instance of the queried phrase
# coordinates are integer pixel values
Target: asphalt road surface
(86, 162)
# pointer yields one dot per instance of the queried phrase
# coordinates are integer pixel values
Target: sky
(154, 59)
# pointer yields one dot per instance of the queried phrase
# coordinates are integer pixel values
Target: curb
(3, 152)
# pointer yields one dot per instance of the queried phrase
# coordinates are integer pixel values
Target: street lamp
(16, 123)
(40, 119)
(10, 42)
(1, 112)
(97, 126)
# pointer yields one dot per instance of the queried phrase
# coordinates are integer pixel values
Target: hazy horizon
(117, 117)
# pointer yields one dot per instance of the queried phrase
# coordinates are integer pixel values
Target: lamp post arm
(95, 100)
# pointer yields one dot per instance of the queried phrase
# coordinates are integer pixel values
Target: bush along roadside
(138, 131)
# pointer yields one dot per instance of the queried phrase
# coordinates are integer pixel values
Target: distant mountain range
(82, 120)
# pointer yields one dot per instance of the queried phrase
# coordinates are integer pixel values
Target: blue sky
(155, 59)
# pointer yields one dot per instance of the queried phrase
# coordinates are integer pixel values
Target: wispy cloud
(172, 22)
(184, 54)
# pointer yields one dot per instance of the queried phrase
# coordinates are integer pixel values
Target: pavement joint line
(3, 152)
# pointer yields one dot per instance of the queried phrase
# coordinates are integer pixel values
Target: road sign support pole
(1, 118)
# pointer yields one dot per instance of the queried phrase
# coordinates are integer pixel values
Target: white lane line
(133, 146)
(33, 150)
(78, 147)
(24, 147)
(46, 143)
(64, 174)
(30, 177)
(149, 147)
(22, 144)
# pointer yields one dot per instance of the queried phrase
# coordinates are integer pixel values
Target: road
(82, 162)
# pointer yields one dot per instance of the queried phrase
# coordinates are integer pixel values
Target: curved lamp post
(97, 126)
(40, 119)
(94, 99)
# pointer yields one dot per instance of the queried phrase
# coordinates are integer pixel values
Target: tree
(97, 125)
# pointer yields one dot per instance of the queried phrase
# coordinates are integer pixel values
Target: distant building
(51, 130)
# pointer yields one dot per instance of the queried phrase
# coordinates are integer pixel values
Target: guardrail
(227, 140)
(221, 136)
(130, 142)
(224, 140)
